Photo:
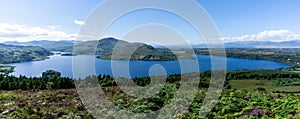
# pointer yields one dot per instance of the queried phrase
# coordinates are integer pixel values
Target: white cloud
(53, 27)
(268, 35)
(22, 33)
(78, 22)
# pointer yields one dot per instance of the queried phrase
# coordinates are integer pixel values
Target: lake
(63, 64)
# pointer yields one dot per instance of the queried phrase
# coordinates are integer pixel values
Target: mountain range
(67, 45)
(49, 45)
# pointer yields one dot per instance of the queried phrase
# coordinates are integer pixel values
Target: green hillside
(14, 54)
(110, 48)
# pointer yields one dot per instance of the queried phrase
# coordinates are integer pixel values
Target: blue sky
(237, 20)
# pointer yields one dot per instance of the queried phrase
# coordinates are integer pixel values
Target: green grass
(295, 71)
(269, 85)
(6, 69)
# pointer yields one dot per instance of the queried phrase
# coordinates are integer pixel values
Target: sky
(236, 20)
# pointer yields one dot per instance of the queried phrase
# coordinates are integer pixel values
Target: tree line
(43, 83)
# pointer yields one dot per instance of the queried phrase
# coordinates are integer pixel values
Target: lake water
(63, 64)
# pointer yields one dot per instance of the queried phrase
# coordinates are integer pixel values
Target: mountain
(14, 54)
(111, 48)
(48, 45)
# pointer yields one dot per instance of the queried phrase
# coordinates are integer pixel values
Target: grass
(6, 69)
(269, 85)
(295, 71)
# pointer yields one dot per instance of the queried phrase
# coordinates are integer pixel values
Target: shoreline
(285, 67)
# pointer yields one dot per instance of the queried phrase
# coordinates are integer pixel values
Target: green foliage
(244, 104)
(66, 104)
(261, 75)
(37, 104)
(51, 74)
(25, 83)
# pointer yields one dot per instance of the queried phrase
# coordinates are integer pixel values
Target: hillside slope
(48, 45)
(111, 48)
(14, 54)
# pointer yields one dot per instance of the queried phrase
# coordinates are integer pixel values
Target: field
(252, 85)
(6, 69)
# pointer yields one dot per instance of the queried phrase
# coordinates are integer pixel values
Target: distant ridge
(67, 45)
(49, 45)
(256, 44)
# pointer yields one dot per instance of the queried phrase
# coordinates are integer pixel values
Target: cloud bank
(23, 33)
(268, 35)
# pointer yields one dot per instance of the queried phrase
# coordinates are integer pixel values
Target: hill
(111, 48)
(48, 45)
(105, 48)
(289, 56)
(14, 54)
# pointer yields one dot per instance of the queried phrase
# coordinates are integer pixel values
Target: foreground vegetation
(36, 104)
(23, 97)
(66, 104)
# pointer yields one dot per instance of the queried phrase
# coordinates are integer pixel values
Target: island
(114, 49)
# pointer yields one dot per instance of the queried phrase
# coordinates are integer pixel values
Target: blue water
(63, 64)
